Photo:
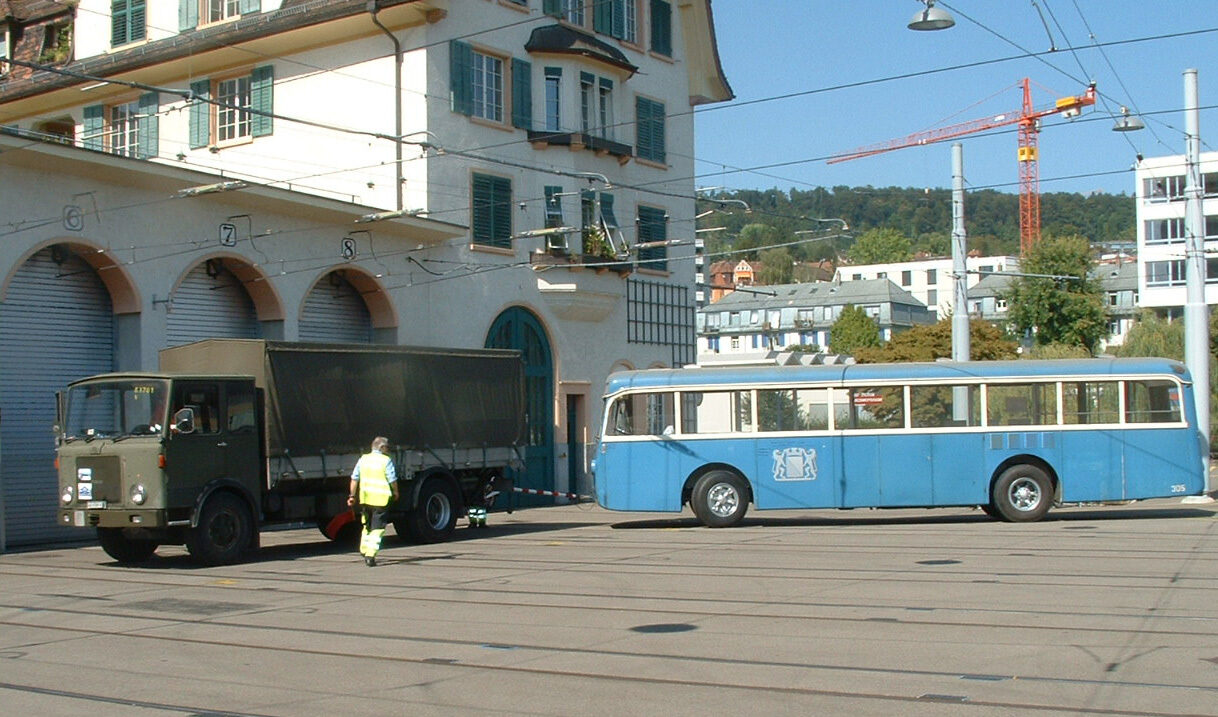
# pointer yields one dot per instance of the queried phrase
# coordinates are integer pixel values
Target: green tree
(934, 341)
(881, 246)
(777, 267)
(1153, 336)
(852, 331)
(757, 236)
(1064, 310)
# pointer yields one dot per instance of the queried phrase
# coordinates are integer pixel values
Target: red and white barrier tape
(556, 494)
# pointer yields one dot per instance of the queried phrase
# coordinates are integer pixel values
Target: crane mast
(1027, 118)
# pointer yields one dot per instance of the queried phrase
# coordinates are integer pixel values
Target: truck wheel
(435, 516)
(225, 531)
(124, 549)
(1022, 494)
(720, 499)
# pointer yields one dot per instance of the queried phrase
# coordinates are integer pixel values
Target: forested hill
(925, 216)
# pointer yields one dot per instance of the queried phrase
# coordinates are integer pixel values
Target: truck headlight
(66, 496)
(138, 494)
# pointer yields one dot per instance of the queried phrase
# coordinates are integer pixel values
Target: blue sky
(821, 47)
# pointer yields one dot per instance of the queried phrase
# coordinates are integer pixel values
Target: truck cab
(145, 458)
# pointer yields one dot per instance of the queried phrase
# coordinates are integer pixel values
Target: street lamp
(931, 18)
(1127, 122)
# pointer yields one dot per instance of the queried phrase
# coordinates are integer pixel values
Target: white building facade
(196, 169)
(1160, 190)
(931, 281)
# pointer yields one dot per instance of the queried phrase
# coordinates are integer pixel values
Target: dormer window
(192, 13)
(128, 19)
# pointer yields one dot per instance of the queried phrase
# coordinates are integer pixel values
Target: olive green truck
(232, 435)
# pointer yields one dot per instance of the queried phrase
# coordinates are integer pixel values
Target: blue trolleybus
(1013, 437)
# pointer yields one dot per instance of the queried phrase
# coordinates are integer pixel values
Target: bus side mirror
(184, 421)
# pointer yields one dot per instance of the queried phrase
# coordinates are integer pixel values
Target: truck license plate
(96, 505)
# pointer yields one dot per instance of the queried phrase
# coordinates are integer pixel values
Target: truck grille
(107, 477)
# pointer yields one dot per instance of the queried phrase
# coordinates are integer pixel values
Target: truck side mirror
(184, 421)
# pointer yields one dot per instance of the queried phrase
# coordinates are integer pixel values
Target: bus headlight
(138, 494)
(66, 496)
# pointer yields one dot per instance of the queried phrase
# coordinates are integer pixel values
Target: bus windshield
(110, 409)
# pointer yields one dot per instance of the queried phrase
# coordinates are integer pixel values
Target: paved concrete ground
(576, 610)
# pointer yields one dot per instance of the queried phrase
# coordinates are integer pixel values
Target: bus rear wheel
(719, 499)
(1022, 494)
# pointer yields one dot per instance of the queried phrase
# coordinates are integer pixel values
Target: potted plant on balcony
(598, 252)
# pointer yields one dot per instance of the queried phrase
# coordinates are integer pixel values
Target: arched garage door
(56, 325)
(334, 311)
(211, 303)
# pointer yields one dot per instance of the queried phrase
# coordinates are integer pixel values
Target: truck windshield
(109, 409)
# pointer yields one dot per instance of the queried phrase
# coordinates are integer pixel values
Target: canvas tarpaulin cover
(337, 399)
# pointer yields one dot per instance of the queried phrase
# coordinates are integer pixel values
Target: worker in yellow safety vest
(373, 482)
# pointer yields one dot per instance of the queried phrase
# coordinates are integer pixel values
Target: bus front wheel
(719, 499)
(1022, 494)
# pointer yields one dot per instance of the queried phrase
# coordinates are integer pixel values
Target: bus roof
(888, 372)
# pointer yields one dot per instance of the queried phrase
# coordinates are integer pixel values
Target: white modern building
(931, 281)
(1161, 231)
(345, 170)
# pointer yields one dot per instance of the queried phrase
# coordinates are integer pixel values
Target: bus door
(796, 456)
(883, 463)
(634, 471)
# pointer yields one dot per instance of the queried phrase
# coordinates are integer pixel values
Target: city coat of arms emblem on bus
(795, 464)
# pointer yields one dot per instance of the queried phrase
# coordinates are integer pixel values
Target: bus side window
(717, 412)
(876, 407)
(1152, 402)
(1090, 402)
(1022, 404)
(944, 406)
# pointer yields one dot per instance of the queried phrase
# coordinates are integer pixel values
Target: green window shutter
(653, 226)
(618, 17)
(262, 100)
(661, 27)
(250, 6)
(522, 94)
(502, 230)
(148, 129)
(200, 115)
(460, 76)
(137, 21)
(602, 16)
(642, 128)
(552, 7)
(649, 129)
(119, 19)
(95, 127)
(188, 15)
(492, 211)
(607, 210)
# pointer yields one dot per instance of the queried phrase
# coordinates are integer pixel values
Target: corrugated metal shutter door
(56, 325)
(334, 311)
(206, 307)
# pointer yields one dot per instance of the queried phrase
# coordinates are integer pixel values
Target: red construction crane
(1028, 119)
